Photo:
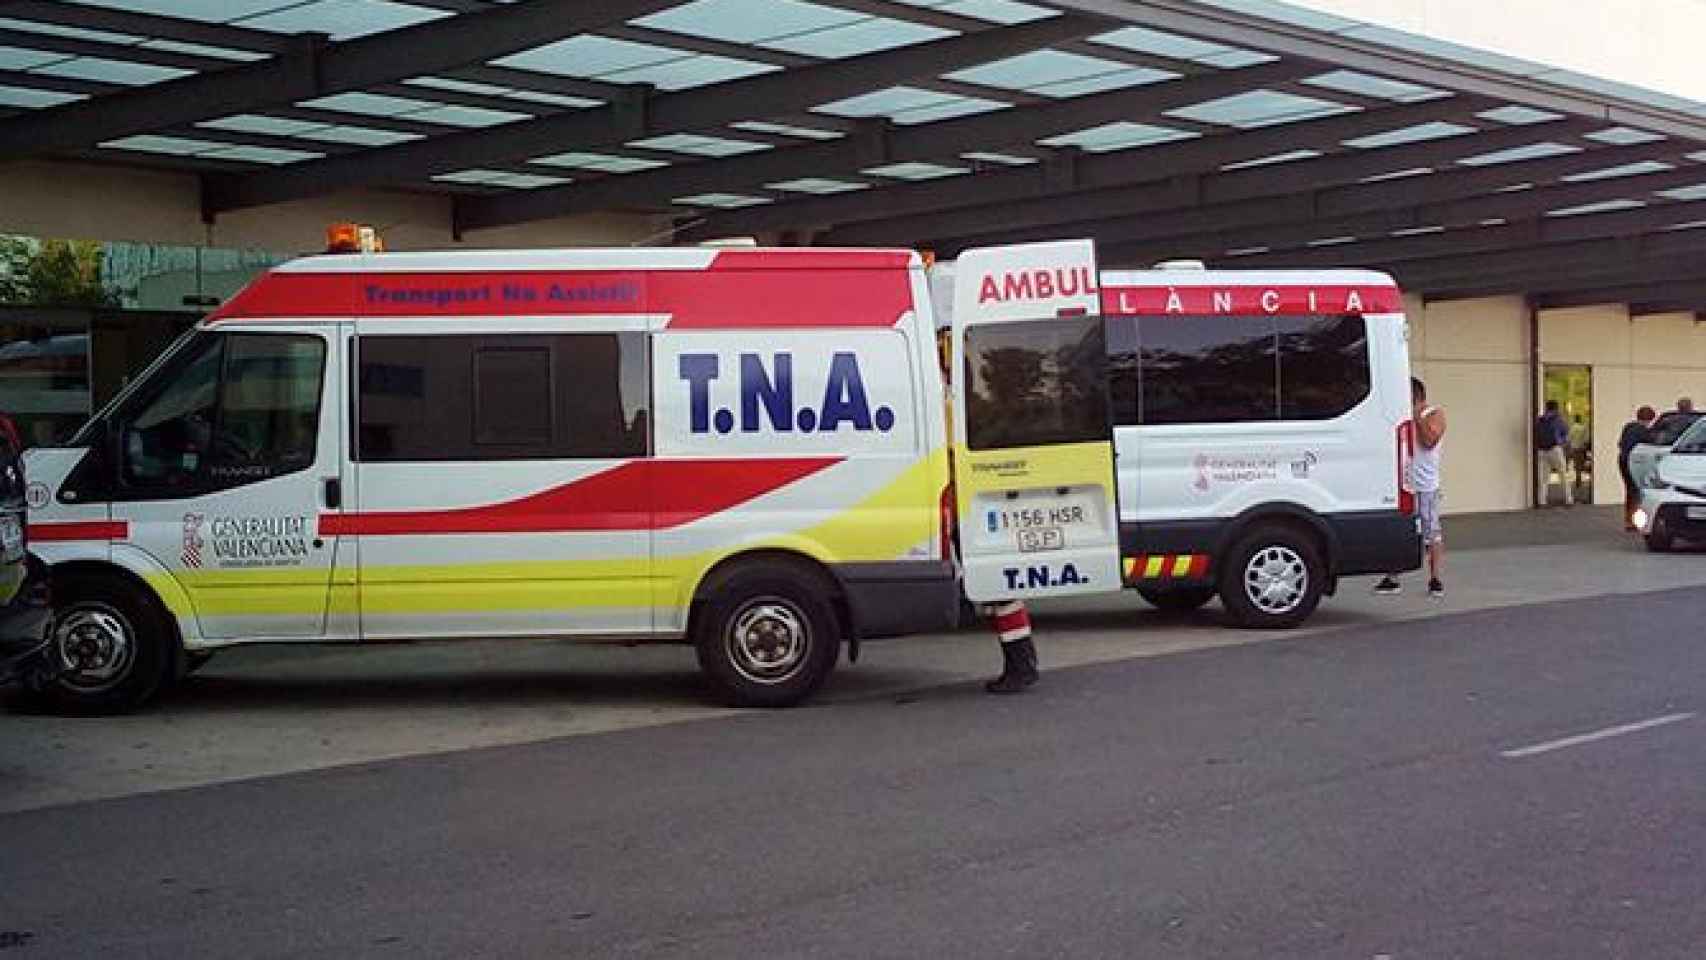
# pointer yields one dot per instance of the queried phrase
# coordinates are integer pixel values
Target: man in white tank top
(1424, 480)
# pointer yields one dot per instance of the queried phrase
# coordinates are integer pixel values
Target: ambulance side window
(236, 409)
(501, 397)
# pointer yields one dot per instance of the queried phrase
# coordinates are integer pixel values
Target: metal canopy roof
(1164, 128)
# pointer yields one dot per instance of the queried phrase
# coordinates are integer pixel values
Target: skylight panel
(218, 11)
(700, 145)
(728, 201)
(33, 99)
(342, 19)
(589, 56)
(1533, 151)
(694, 71)
(1362, 84)
(1624, 170)
(817, 185)
(605, 163)
(1434, 130)
(788, 130)
(743, 21)
(19, 58)
(111, 71)
(1118, 136)
(864, 36)
(150, 143)
(994, 11)
(1604, 206)
(1623, 136)
(1259, 108)
(915, 171)
(272, 156)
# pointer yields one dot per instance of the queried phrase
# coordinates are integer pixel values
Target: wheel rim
(767, 640)
(1276, 579)
(96, 647)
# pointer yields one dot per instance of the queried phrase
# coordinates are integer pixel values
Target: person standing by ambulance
(1425, 482)
(1010, 619)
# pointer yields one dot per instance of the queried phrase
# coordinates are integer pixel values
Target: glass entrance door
(1571, 385)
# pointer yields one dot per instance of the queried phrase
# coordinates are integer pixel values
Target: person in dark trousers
(1552, 440)
(1635, 433)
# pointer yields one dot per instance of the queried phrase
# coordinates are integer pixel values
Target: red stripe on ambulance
(1242, 300)
(643, 494)
(739, 290)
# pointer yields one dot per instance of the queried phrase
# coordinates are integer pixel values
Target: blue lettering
(1069, 575)
(844, 396)
(699, 369)
(1036, 577)
(1012, 575)
(757, 389)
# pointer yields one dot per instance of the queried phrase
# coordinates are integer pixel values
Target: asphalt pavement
(1515, 782)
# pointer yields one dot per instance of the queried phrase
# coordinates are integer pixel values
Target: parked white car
(1666, 430)
(1673, 505)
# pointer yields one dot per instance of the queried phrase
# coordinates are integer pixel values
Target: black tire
(1273, 578)
(788, 606)
(1177, 599)
(90, 612)
(1659, 539)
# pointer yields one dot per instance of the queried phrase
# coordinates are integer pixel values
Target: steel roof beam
(882, 143)
(1562, 266)
(1196, 201)
(1338, 51)
(1292, 208)
(697, 108)
(1094, 171)
(1539, 285)
(1529, 226)
(313, 67)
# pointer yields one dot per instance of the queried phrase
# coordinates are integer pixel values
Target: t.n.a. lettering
(768, 400)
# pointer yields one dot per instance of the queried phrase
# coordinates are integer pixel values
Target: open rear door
(1033, 442)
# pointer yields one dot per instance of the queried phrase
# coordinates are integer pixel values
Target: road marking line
(1605, 734)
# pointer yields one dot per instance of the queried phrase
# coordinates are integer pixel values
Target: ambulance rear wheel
(768, 637)
(112, 648)
(1273, 578)
(1177, 599)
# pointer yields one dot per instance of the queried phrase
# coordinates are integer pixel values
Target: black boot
(1018, 668)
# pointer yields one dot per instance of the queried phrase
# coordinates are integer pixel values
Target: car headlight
(1639, 519)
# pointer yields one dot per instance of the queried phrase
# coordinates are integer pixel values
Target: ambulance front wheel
(112, 647)
(768, 637)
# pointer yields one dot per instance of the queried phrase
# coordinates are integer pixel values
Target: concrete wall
(1473, 354)
(108, 203)
(1646, 360)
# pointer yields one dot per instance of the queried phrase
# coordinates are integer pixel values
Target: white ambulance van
(1260, 421)
(741, 449)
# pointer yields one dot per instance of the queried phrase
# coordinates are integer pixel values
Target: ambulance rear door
(1033, 441)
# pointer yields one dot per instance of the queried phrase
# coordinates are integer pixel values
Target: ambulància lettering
(1039, 284)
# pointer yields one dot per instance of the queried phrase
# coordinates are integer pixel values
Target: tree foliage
(52, 273)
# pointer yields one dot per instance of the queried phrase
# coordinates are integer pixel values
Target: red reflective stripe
(642, 495)
(1013, 622)
(1199, 567)
(1302, 299)
(52, 531)
(739, 291)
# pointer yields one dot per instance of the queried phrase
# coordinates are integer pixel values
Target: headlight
(1639, 519)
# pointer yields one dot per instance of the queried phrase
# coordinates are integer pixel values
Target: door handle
(334, 493)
